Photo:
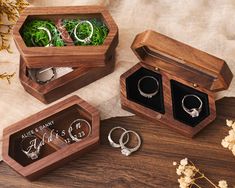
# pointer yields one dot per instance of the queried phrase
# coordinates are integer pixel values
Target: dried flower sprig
(7, 76)
(189, 175)
(229, 140)
(9, 13)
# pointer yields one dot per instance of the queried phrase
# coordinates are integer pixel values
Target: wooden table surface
(151, 166)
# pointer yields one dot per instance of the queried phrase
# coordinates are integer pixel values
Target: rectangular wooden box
(180, 70)
(66, 84)
(53, 125)
(67, 56)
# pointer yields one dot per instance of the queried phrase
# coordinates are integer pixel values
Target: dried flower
(223, 184)
(9, 13)
(229, 140)
(190, 174)
(7, 76)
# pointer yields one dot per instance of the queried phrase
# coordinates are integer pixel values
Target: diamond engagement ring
(193, 112)
(31, 146)
(148, 94)
(77, 125)
(112, 143)
(86, 40)
(125, 150)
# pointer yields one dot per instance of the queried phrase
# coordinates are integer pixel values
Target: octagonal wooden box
(51, 126)
(180, 70)
(89, 63)
(67, 56)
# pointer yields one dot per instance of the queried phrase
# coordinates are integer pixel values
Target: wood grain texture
(167, 118)
(177, 58)
(151, 166)
(66, 84)
(61, 155)
(67, 56)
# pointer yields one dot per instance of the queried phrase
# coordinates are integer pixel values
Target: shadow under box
(55, 126)
(156, 102)
(178, 91)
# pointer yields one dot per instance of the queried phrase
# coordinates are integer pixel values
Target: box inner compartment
(156, 102)
(54, 19)
(55, 131)
(178, 91)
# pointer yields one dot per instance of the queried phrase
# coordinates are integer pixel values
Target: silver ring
(78, 136)
(33, 150)
(87, 40)
(48, 34)
(148, 95)
(111, 142)
(193, 112)
(125, 150)
(41, 75)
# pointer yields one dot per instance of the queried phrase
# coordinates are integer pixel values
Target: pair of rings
(193, 112)
(124, 150)
(86, 40)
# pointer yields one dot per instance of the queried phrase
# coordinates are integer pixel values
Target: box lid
(52, 137)
(176, 58)
(70, 55)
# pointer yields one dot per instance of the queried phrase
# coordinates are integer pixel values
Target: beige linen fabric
(205, 24)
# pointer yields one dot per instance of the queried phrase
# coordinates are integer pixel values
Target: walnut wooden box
(68, 83)
(180, 70)
(67, 56)
(53, 122)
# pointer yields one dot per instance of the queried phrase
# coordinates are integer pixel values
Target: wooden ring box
(57, 151)
(180, 70)
(89, 62)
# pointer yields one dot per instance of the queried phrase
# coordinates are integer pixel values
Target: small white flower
(182, 183)
(178, 172)
(228, 138)
(233, 126)
(225, 144)
(229, 122)
(181, 167)
(233, 149)
(188, 172)
(174, 163)
(223, 184)
(232, 133)
(188, 180)
(184, 162)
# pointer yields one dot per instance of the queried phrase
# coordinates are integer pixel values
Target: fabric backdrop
(205, 24)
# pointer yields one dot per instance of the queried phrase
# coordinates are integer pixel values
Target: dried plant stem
(203, 176)
(196, 185)
(7, 76)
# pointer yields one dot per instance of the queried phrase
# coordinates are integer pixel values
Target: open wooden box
(70, 82)
(67, 56)
(180, 70)
(52, 126)
(89, 63)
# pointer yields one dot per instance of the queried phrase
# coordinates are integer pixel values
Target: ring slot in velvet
(156, 102)
(178, 91)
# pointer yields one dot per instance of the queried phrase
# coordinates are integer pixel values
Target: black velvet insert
(178, 91)
(155, 103)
